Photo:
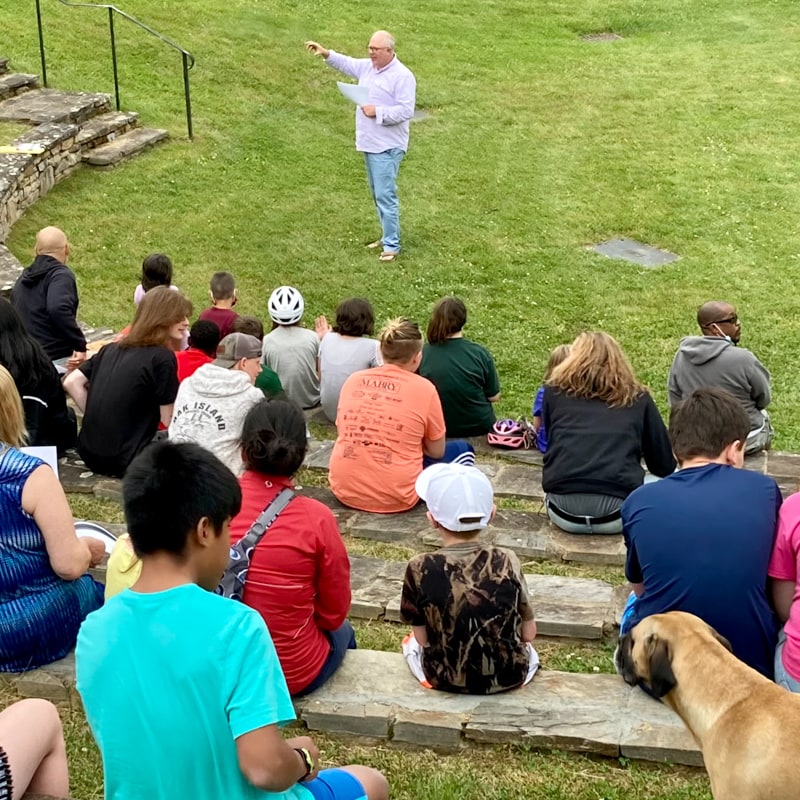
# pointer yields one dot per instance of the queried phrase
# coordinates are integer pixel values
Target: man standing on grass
(381, 126)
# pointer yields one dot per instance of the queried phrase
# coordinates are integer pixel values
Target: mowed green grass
(683, 134)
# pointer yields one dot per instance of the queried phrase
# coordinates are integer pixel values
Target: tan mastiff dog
(747, 727)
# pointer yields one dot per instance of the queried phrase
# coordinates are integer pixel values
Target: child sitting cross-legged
(182, 687)
(467, 602)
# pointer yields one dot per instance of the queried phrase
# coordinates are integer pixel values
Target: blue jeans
(782, 677)
(382, 169)
(342, 640)
(454, 450)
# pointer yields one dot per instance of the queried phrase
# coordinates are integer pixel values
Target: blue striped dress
(39, 612)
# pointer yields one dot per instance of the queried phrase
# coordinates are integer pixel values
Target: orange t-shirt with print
(384, 414)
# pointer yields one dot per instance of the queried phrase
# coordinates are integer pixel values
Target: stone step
(52, 105)
(125, 146)
(16, 83)
(571, 711)
(572, 608)
(509, 480)
(106, 127)
(588, 713)
(529, 534)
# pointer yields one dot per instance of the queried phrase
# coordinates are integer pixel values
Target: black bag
(235, 575)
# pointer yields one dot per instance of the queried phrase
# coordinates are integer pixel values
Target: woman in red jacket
(299, 576)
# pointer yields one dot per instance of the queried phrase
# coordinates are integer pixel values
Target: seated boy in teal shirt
(182, 688)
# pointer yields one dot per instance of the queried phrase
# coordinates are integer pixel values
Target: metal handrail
(187, 59)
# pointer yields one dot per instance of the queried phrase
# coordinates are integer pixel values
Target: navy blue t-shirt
(700, 540)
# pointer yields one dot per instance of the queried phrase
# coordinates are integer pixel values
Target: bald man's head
(381, 49)
(53, 242)
(718, 318)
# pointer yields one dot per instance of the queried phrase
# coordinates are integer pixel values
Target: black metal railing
(187, 59)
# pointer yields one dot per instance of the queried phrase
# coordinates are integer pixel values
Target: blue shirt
(700, 540)
(541, 434)
(169, 680)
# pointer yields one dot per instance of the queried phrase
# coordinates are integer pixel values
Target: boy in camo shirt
(467, 602)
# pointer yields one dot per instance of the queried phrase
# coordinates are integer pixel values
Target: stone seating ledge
(565, 608)
(591, 713)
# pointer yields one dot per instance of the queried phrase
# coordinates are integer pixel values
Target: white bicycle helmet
(286, 305)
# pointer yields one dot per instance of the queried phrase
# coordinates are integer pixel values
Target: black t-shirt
(597, 449)
(127, 386)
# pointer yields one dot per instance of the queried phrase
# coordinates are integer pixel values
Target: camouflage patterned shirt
(472, 599)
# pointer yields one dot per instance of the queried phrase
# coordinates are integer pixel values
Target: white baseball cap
(460, 498)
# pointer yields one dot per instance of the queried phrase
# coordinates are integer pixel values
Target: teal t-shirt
(465, 377)
(169, 680)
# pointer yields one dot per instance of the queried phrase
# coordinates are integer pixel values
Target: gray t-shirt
(339, 357)
(292, 352)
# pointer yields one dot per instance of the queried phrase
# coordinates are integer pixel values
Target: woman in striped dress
(45, 592)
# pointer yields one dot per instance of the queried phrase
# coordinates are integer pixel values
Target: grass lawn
(683, 134)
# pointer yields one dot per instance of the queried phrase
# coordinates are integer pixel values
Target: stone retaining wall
(25, 177)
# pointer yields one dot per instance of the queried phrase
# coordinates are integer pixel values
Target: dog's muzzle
(623, 660)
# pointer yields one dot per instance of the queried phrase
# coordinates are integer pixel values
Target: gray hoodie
(210, 409)
(703, 361)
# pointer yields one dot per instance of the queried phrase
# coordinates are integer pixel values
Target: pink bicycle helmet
(507, 433)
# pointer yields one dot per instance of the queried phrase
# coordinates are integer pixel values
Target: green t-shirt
(465, 376)
(269, 383)
(169, 681)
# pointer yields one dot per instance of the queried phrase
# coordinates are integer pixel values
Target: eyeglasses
(734, 319)
(376, 49)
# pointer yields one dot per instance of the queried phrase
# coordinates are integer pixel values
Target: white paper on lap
(47, 453)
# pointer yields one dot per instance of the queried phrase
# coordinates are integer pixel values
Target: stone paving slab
(53, 105)
(16, 83)
(588, 713)
(125, 146)
(584, 712)
(106, 127)
(574, 608)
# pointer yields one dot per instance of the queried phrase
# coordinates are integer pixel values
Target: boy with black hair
(204, 339)
(222, 290)
(182, 688)
(468, 602)
(700, 539)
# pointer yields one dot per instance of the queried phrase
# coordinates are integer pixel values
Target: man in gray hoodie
(714, 359)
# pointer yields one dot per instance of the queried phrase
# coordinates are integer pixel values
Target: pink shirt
(784, 566)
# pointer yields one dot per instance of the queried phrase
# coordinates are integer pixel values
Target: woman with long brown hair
(601, 422)
(130, 386)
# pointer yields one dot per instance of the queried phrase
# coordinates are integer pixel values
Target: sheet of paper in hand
(353, 92)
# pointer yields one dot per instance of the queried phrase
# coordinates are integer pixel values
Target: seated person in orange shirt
(389, 420)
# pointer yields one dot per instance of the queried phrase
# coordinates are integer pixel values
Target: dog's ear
(721, 639)
(662, 678)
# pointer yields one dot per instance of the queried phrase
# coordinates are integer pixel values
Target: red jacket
(299, 577)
